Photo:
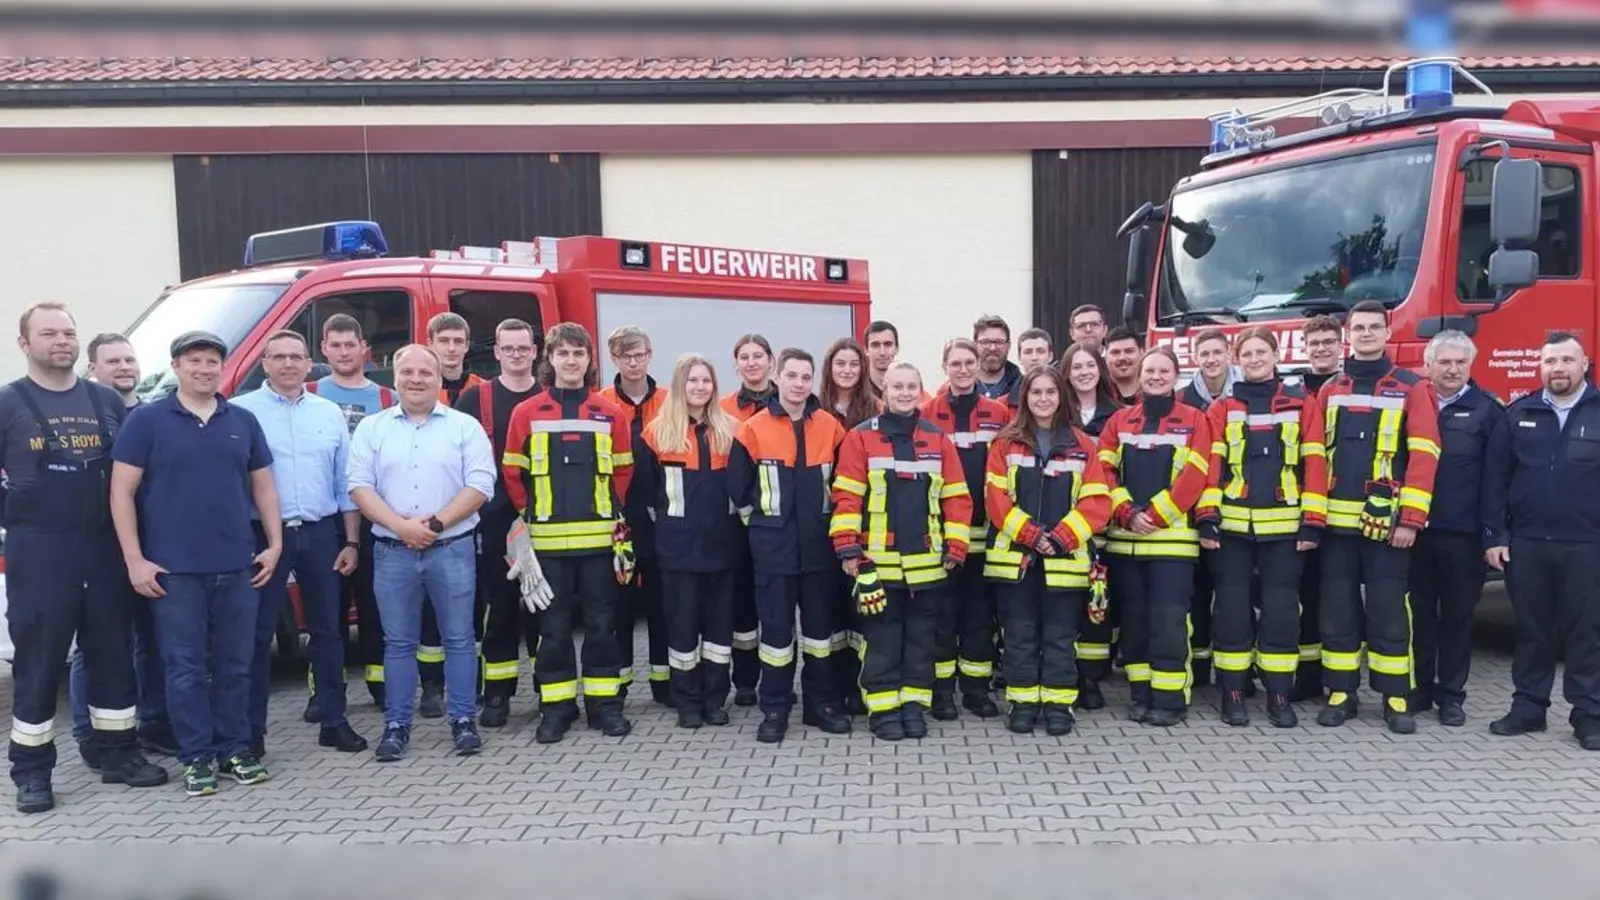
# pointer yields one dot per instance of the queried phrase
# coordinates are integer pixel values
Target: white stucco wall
(948, 237)
(99, 234)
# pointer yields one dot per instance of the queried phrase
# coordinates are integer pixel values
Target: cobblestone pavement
(969, 781)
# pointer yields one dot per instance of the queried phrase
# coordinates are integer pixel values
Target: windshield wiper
(1200, 316)
(1314, 305)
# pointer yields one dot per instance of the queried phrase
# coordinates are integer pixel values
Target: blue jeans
(209, 705)
(449, 575)
(147, 672)
(309, 551)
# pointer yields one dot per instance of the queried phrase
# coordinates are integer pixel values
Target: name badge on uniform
(1527, 423)
(64, 466)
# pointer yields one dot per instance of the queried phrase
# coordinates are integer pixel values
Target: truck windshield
(1316, 238)
(228, 311)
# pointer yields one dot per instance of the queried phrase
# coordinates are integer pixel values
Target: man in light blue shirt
(420, 471)
(310, 448)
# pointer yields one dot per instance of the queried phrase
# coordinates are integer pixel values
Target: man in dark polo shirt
(187, 471)
(56, 431)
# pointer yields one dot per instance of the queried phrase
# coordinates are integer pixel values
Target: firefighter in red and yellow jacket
(1263, 510)
(635, 393)
(1046, 494)
(1383, 450)
(1157, 454)
(681, 479)
(568, 463)
(752, 360)
(967, 615)
(901, 514)
(780, 467)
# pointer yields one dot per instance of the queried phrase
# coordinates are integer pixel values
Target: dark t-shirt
(505, 400)
(71, 418)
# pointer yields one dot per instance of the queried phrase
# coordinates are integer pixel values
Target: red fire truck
(1473, 218)
(688, 298)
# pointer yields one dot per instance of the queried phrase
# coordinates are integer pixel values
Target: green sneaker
(246, 768)
(199, 779)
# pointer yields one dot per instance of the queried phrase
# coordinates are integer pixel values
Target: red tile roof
(21, 71)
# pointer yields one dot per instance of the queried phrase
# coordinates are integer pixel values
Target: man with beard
(113, 363)
(1122, 351)
(1548, 541)
(998, 377)
(63, 564)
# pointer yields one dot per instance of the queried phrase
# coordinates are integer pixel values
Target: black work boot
(912, 722)
(1024, 717)
(980, 705)
(611, 721)
(379, 696)
(689, 717)
(35, 795)
(1514, 723)
(944, 707)
(158, 739)
(342, 738)
(1397, 716)
(828, 717)
(1090, 697)
(1279, 712)
(1162, 717)
(133, 770)
(432, 705)
(90, 751)
(496, 712)
(1234, 712)
(1451, 714)
(555, 720)
(661, 692)
(855, 704)
(745, 696)
(716, 716)
(311, 715)
(1139, 709)
(1058, 719)
(1341, 708)
(887, 726)
(773, 727)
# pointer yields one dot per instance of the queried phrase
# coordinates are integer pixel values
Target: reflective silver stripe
(1057, 466)
(1371, 400)
(965, 439)
(716, 653)
(30, 734)
(1021, 460)
(929, 466)
(674, 488)
(1147, 441)
(827, 480)
(112, 719)
(567, 425)
(1283, 418)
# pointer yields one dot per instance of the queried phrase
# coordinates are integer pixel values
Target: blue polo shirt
(194, 499)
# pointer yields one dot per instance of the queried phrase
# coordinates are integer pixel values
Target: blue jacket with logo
(1461, 493)
(1550, 473)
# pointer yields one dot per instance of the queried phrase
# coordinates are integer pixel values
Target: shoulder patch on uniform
(1405, 376)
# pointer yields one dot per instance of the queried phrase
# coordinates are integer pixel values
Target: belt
(396, 542)
(299, 523)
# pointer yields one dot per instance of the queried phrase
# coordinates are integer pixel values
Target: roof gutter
(236, 93)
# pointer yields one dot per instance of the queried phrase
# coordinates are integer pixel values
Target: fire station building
(972, 184)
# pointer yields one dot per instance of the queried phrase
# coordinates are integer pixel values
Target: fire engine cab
(688, 298)
(1475, 218)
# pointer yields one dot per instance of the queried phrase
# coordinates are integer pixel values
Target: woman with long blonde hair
(681, 471)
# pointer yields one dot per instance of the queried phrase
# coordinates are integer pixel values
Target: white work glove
(525, 569)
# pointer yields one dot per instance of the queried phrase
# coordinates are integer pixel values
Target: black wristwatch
(434, 525)
(352, 545)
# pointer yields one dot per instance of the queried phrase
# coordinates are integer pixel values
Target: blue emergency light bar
(1430, 86)
(329, 240)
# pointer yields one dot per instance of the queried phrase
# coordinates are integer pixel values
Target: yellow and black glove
(1099, 596)
(1378, 514)
(869, 595)
(622, 559)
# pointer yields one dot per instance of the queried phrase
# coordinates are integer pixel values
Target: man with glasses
(321, 534)
(1324, 338)
(636, 394)
(998, 377)
(505, 623)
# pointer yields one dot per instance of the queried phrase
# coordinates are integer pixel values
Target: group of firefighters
(907, 548)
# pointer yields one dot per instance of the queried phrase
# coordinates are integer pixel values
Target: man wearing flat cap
(187, 472)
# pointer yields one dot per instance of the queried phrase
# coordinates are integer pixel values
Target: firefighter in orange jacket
(752, 359)
(901, 513)
(681, 479)
(1263, 510)
(1383, 450)
(1046, 494)
(1156, 453)
(635, 393)
(967, 615)
(780, 467)
(568, 463)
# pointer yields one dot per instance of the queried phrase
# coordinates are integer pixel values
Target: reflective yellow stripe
(539, 469)
(1014, 522)
(1168, 681)
(844, 523)
(1087, 650)
(916, 695)
(974, 669)
(882, 701)
(1023, 694)
(1311, 653)
(1416, 499)
(500, 671)
(1337, 661)
(771, 501)
(1079, 526)
(374, 674)
(777, 657)
(1137, 672)
(430, 654)
(1388, 665)
(601, 687)
(1422, 445)
(1280, 663)
(944, 668)
(558, 691)
(605, 465)
(850, 485)
(1233, 660)
(1162, 503)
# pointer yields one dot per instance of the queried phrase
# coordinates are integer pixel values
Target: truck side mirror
(1514, 202)
(1138, 256)
(1511, 270)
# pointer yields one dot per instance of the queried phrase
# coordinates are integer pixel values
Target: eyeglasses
(994, 342)
(514, 351)
(635, 357)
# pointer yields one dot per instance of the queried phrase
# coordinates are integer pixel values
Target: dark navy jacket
(1551, 474)
(1467, 427)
